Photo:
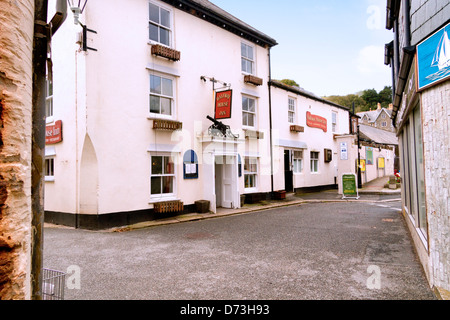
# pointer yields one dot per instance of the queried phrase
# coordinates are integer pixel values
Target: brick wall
(436, 135)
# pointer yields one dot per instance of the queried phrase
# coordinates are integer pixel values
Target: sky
(329, 47)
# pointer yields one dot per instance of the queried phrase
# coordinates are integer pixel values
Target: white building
(305, 126)
(128, 135)
(132, 109)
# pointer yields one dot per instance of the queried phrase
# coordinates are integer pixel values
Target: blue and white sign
(433, 58)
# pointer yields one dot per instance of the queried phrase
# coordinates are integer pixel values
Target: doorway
(288, 172)
(226, 181)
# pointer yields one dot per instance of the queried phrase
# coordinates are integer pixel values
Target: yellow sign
(362, 165)
(380, 163)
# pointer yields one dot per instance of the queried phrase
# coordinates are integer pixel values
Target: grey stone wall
(426, 17)
(436, 136)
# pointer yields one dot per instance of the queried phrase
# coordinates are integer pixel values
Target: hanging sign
(223, 104)
(349, 186)
(433, 58)
(315, 121)
(53, 134)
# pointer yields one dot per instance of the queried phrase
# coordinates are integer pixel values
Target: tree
(290, 82)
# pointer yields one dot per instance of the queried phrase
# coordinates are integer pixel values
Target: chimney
(379, 106)
(391, 106)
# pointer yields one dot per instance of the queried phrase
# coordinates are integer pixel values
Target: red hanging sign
(53, 134)
(223, 104)
(315, 121)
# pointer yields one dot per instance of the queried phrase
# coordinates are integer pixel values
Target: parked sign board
(349, 186)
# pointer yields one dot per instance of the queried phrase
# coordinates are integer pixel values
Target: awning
(292, 144)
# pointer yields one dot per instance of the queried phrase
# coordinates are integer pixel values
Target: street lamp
(77, 7)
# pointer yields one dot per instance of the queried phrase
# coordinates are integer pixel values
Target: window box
(168, 206)
(253, 80)
(254, 134)
(295, 128)
(167, 125)
(165, 52)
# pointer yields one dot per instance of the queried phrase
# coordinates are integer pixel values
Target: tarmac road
(311, 251)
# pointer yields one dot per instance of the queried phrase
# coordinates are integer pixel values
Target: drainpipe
(407, 12)
(270, 125)
(41, 33)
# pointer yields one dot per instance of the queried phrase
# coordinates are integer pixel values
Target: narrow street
(342, 250)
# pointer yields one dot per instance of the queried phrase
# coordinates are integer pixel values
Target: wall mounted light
(77, 7)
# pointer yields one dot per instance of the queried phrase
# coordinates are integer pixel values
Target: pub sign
(223, 104)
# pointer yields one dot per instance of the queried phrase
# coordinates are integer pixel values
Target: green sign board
(349, 186)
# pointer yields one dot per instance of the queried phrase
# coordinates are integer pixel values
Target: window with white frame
(247, 58)
(334, 121)
(384, 124)
(248, 111)
(160, 25)
(314, 157)
(48, 98)
(161, 95)
(49, 169)
(291, 110)
(250, 172)
(162, 181)
(297, 161)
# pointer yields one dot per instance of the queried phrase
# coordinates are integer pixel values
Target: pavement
(370, 191)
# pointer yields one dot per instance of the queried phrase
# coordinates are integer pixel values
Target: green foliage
(290, 82)
(364, 101)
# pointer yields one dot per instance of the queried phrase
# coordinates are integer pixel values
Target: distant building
(379, 118)
(419, 57)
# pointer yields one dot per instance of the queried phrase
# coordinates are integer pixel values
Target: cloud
(371, 60)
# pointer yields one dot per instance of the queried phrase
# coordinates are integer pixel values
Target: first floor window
(48, 98)
(291, 110)
(247, 58)
(298, 161)
(334, 121)
(161, 95)
(162, 175)
(159, 24)
(250, 172)
(49, 168)
(314, 161)
(248, 111)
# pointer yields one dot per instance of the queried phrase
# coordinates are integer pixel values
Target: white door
(227, 186)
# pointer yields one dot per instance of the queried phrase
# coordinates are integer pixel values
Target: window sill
(49, 179)
(163, 199)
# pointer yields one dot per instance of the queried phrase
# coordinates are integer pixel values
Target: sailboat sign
(433, 58)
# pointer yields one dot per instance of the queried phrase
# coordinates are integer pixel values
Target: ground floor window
(250, 172)
(50, 169)
(298, 161)
(314, 157)
(162, 176)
